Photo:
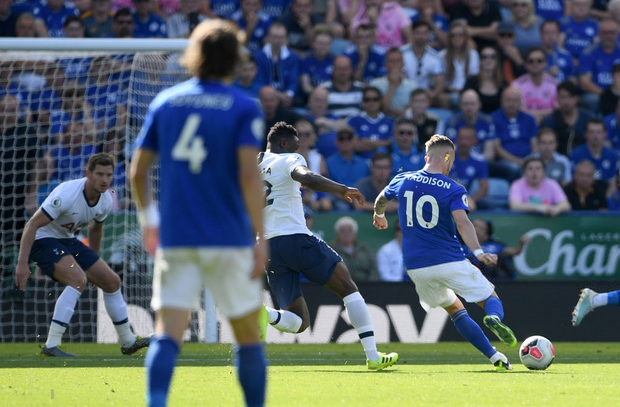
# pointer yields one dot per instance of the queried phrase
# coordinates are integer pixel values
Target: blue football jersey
(425, 205)
(54, 20)
(197, 128)
(153, 27)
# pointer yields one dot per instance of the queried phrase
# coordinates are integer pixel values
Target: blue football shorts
(48, 251)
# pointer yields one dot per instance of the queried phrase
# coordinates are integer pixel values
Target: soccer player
(590, 299)
(206, 136)
(294, 249)
(429, 205)
(49, 240)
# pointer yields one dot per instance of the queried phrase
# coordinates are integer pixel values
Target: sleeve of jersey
(391, 191)
(147, 138)
(56, 204)
(459, 200)
(293, 161)
(252, 127)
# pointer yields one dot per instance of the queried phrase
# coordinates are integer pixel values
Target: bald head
(470, 102)
(511, 101)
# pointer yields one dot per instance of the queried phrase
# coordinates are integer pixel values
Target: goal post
(75, 97)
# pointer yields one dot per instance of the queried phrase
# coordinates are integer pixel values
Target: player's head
(440, 153)
(100, 171)
(282, 138)
(213, 50)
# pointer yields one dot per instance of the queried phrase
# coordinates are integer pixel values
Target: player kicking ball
(294, 249)
(590, 299)
(49, 241)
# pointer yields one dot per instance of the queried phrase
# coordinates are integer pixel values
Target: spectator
(74, 27)
(71, 154)
(596, 64)
(367, 58)
(460, 62)
(504, 269)
(614, 200)
(538, 89)
(527, 25)
(605, 159)
(395, 87)
(49, 16)
(122, 26)
(75, 107)
(254, 22)
(489, 83)
(392, 25)
(317, 67)
(147, 24)
(299, 23)
(246, 80)
(516, 136)
(216, 8)
(585, 193)
(568, 120)
(427, 11)
(344, 166)
(315, 201)
(277, 65)
(325, 124)
(470, 166)
(482, 18)
(373, 128)
(8, 19)
(470, 114)
(182, 23)
(613, 130)
(422, 63)
(98, 21)
(358, 257)
(372, 185)
(345, 94)
(405, 154)
(275, 8)
(578, 29)
(119, 187)
(557, 166)
(390, 258)
(511, 61)
(560, 63)
(611, 95)
(426, 124)
(550, 9)
(536, 193)
(26, 27)
(274, 111)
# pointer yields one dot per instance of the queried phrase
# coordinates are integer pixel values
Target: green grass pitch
(444, 374)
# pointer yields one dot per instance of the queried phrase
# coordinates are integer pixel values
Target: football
(537, 353)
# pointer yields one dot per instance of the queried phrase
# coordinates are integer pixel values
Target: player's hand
(487, 258)
(151, 239)
(22, 272)
(261, 249)
(379, 223)
(353, 193)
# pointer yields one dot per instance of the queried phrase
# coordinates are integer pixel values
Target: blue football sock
(252, 372)
(613, 298)
(159, 362)
(495, 307)
(471, 331)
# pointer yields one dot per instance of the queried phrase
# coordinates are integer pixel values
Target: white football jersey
(69, 210)
(284, 212)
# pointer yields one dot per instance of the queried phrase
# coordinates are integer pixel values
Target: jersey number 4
(190, 146)
(419, 208)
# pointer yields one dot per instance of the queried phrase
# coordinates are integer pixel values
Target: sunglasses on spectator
(520, 4)
(405, 132)
(457, 35)
(304, 134)
(371, 99)
(487, 56)
(348, 138)
(506, 35)
(124, 21)
(535, 60)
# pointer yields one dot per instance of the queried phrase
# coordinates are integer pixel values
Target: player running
(590, 299)
(49, 241)
(429, 204)
(294, 249)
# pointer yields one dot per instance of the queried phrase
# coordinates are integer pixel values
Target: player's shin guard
(63, 311)
(360, 319)
(252, 373)
(471, 331)
(494, 306)
(117, 310)
(159, 362)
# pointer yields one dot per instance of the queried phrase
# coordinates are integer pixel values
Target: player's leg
(494, 310)
(293, 318)
(590, 299)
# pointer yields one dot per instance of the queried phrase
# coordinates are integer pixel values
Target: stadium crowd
(528, 90)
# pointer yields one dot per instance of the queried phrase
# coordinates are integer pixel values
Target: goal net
(61, 101)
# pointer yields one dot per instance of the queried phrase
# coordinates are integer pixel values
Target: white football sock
(63, 311)
(599, 300)
(360, 319)
(117, 310)
(284, 321)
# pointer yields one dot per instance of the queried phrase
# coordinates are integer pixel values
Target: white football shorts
(438, 285)
(181, 273)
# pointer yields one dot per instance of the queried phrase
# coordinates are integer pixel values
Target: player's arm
(468, 234)
(95, 234)
(251, 184)
(22, 271)
(148, 214)
(378, 218)
(316, 182)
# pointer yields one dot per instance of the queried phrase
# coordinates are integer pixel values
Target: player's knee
(77, 280)
(113, 283)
